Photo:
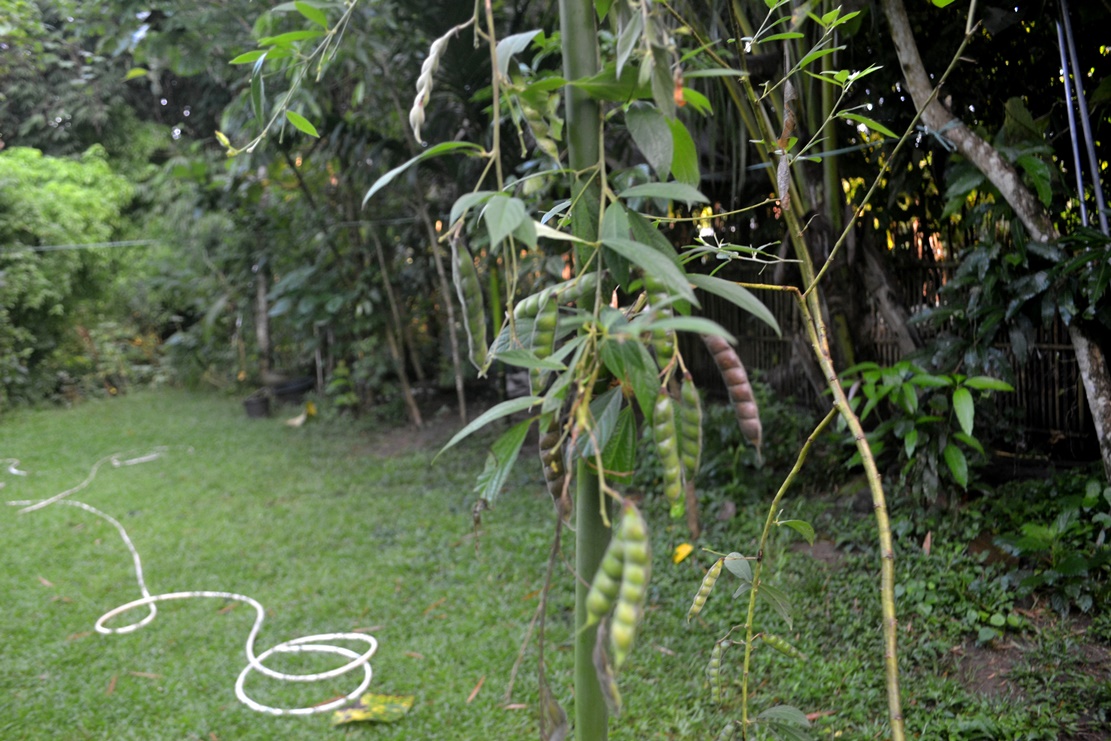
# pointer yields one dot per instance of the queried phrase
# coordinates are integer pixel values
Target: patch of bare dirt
(985, 670)
(822, 550)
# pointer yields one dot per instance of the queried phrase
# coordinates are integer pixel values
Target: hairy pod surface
(690, 428)
(469, 290)
(561, 293)
(713, 669)
(739, 388)
(781, 645)
(705, 588)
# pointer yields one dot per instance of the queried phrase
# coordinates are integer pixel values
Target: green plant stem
(757, 567)
(579, 36)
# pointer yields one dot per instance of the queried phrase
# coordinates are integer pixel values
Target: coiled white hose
(308, 644)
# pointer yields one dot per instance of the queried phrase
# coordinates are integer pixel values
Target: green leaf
(631, 364)
(503, 215)
(498, 411)
(716, 72)
(777, 599)
(435, 151)
(684, 162)
(628, 39)
(499, 462)
(739, 296)
(134, 72)
(652, 136)
(1040, 173)
(467, 201)
(249, 57)
(787, 732)
(958, 464)
(969, 441)
(522, 358)
(739, 566)
(925, 380)
(986, 383)
(314, 14)
(258, 99)
(692, 324)
(964, 408)
(289, 38)
(604, 411)
(511, 45)
(873, 125)
(619, 455)
(943, 3)
(301, 123)
(652, 262)
(802, 527)
(782, 37)
(671, 191)
(785, 714)
(602, 8)
(818, 54)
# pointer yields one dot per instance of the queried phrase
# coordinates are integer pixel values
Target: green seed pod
(555, 468)
(782, 646)
(613, 560)
(704, 590)
(469, 290)
(690, 428)
(667, 447)
(663, 340)
(713, 669)
(543, 339)
(562, 293)
(633, 536)
(603, 592)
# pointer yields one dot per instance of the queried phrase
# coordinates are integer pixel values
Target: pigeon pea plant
(600, 346)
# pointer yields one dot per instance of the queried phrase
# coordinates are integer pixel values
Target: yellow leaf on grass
(681, 552)
(375, 708)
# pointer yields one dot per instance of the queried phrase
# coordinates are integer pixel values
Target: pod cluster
(622, 583)
(465, 276)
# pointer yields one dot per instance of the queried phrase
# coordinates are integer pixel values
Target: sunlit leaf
(681, 552)
(511, 45)
(289, 38)
(671, 191)
(314, 14)
(873, 125)
(301, 123)
(802, 527)
(739, 566)
(375, 708)
(502, 216)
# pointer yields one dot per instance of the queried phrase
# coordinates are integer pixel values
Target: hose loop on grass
(321, 643)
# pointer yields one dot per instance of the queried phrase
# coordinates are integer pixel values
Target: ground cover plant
(334, 528)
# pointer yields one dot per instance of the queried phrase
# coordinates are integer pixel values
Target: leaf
(289, 38)
(249, 57)
(301, 123)
(986, 383)
(258, 99)
(511, 45)
(435, 151)
(134, 72)
(467, 201)
(777, 599)
(619, 455)
(958, 464)
(651, 261)
(684, 162)
(818, 54)
(943, 3)
(375, 708)
(653, 137)
(498, 411)
(672, 191)
(502, 216)
(499, 462)
(925, 380)
(802, 527)
(873, 125)
(739, 296)
(781, 37)
(1040, 173)
(603, 412)
(692, 324)
(314, 14)
(628, 38)
(522, 358)
(785, 714)
(739, 566)
(964, 408)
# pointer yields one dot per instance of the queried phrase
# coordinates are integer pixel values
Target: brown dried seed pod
(740, 389)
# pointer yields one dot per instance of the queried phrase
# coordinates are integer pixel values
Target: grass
(331, 534)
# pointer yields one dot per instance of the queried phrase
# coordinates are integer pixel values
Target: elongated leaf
(619, 455)
(511, 45)
(873, 125)
(435, 151)
(301, 123)
(258, 99)
(289, 38)
(964, 408)
(969, 441)
(739, 296)
(957, 463)
(526, 359)
(684, 163)
(135, 72)
(785, 714)
(631, 364)
(603, 412)
(467, 201)
(543, 230)
(817, 54)
(986, 383)
(628, 39)
(801, 527)
(782, 37)
(314, 14)
(693, 324)
(777, 599)
(648, 259)
(671, 191)
(502, 216)
(925, 380)
(249, 57)
(498, 411)
(652, 135)
(499, 462)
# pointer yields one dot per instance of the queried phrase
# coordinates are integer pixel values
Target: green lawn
(331, 534)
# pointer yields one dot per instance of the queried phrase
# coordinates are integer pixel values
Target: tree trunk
(1089, 355)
